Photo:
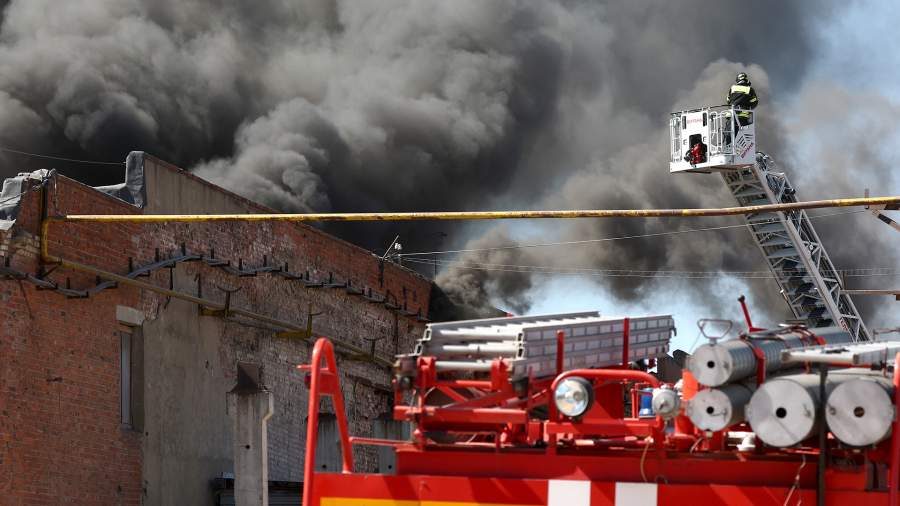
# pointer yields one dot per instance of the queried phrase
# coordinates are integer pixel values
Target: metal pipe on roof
(466, 335)
(464, 349)
(482, 215)
(472, 366)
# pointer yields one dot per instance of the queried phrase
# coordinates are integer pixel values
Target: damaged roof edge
(14, 188)
(134, 189)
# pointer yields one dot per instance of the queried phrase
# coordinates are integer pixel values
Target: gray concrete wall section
(173, 191)
(190, 366)
(187, 429)
(190, 360)
(251, 412)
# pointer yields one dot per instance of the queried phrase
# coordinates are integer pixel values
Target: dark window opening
(131, 379)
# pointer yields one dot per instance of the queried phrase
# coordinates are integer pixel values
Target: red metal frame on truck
(552, 462)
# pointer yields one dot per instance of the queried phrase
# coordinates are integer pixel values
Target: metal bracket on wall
(373, 299)
(333, 283)
(307, 333)
(112, 279)
(372, 341)
(226, 311)
(351, 290)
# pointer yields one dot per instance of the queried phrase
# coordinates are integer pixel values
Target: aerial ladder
(710, 139)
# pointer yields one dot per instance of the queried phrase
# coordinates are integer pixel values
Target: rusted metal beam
(894, 293)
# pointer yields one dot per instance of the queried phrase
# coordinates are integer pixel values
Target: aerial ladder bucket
(725, 136)
(723, 139)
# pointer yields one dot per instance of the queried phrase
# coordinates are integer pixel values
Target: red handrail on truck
(323, 381)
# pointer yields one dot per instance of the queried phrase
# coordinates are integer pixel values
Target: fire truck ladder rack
(792, 248)
(528, 343)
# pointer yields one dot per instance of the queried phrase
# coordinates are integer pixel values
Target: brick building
(112, 393)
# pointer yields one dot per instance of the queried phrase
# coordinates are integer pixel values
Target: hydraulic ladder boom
(808, 279)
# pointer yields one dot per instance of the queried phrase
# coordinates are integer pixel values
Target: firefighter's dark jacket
(742, 96)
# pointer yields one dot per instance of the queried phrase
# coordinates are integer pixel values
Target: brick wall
(60, 433)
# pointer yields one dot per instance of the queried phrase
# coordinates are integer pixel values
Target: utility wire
(49, 157)
(660, 275)
(847, 272)
(13, 197)
(538, 269)
(605, 239)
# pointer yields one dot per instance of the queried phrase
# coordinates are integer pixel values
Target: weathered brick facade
(61, 433)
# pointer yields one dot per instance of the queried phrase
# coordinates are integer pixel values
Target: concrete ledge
(129, 316)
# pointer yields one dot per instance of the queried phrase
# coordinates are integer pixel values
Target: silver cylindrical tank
(782, 411)
(860, 411)
(716, 409)
(666, 402)
(721, 363)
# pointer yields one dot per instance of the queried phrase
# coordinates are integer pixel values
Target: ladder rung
(769, 228)
(777, 241)
(805, 287)
(817, 313)
(782, 253)
(750, 192)
(758, 217)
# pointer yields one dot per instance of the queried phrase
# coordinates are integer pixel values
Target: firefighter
(742, 96)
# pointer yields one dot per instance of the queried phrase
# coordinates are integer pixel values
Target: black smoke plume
(398, 105)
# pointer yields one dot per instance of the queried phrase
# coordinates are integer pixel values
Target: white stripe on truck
(636, 494)
(568, 493)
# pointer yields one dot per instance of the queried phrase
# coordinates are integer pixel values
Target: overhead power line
(604, 239)
(636, 273)
(14, 197)
(60, 158)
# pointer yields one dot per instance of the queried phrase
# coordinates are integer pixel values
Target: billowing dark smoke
(635, 176)
(847, 144)
(370, 105)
